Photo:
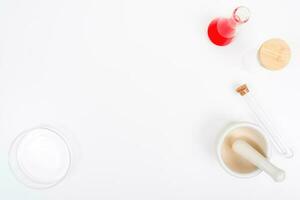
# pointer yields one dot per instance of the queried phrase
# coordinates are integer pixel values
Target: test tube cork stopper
(242, 89)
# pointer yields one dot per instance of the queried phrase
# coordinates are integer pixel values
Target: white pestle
(245, 150)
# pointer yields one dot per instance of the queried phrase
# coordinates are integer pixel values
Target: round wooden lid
(274, 54)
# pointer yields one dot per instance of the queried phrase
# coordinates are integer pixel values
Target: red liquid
(221, 31)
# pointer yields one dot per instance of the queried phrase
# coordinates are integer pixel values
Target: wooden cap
(274, 54)
(242, 90)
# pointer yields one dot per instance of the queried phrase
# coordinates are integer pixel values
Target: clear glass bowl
(40, 157)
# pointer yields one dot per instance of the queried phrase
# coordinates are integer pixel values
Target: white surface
(145, 94)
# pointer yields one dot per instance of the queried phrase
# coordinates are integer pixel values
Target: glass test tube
(264, 121)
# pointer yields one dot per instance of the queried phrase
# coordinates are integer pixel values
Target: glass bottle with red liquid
(221, 31)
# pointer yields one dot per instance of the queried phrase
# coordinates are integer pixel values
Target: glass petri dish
(40, 157)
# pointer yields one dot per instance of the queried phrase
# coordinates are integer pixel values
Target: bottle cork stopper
(242, 90)
(274, 54)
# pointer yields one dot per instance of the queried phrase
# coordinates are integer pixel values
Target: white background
(143, 93)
